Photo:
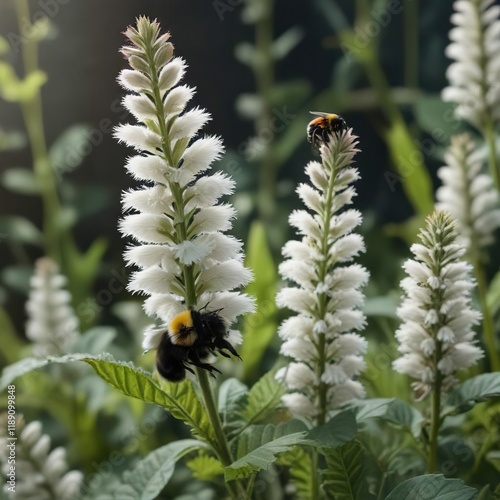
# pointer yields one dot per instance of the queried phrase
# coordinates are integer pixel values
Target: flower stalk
(436, 337)
(184, 258)
(327, 353)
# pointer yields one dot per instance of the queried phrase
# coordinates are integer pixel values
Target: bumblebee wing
(319, 113)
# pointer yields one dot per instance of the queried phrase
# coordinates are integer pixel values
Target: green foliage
(19, 229)
(301, 466)
(263, 399)
(432, 487)
(390, 410)
(259, 446)
(259, 328)
(148, 478)
(21, 180)
(477, 389)
(411, 171)
(24, 90)
(344, 477)
(205, 467)
(338, 430)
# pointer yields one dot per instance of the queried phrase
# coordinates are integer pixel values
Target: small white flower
(328, 295)
(431, 322)
(52, 325)
(474, 75)
(468, 194)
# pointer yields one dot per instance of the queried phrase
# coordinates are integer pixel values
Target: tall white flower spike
(184, 257)
(322, 337)
(436, 338)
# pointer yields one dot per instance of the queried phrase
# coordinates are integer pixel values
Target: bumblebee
(321, 129)
(190, 338)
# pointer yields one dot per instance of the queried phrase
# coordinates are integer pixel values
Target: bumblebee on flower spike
(321, 129)
(190, 338)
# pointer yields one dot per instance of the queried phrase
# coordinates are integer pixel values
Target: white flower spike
(52, 326)
(468, 195)
(176, 218)
(436, 338)
(322, 337)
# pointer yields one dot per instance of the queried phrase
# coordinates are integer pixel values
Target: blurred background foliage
(259, 67)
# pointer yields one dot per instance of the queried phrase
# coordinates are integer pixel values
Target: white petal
(148, 168)
(225, 276)
(138, 137)
(134, 80)
(189, 123)
(147, 228)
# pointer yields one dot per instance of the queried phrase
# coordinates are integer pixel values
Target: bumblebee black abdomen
(190, 339)
(322, 129)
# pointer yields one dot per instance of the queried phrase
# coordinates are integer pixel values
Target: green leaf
(17, 228)
(264, 397)
(180, 399)
(15, 90)
(26, 365)
(247, 54)
(493, 296)
(390, 410)
(411, 170)
(474, 390)
(259, 446)
(18, 278)
(300, 465)
(493, 457)
(152, 473)
(344, 478)
(338, 430)
(69, 149)
(260, 327)
(21, 180)
(286, 42)
(432, 487)
(205, 467)
(232, 395)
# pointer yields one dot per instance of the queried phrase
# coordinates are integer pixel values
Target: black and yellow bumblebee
(320, 130)
(190, 338)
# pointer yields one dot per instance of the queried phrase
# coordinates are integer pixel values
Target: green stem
(435, 417)
(264, 78)
(488, 328)
(489, 134)
(316, 491)
(223, 452)
(323, 299)
(33, 118)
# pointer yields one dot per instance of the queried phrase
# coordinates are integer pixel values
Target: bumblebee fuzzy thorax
(320, 130)
(181, 329)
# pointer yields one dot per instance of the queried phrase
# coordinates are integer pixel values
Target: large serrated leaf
(152, 473)
(24, 366)
(338, 430)
(301, 467)
(259, 446)
(264, 397)
(391, 410)
(205, 467)
(232, 396)
(344, 479)
(180, 399)
(480, 388)
(432, 487)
